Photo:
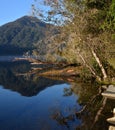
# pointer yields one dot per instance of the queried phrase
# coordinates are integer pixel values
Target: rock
(110, 92)
(111, 120)
(111, 128)
(109, 95)
(111, 88)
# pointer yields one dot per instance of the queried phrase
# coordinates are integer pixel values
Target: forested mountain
(21, 35)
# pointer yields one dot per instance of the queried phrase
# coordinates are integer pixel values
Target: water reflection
(96, 109)
(25, 85)
(36, 112)
(38, 103)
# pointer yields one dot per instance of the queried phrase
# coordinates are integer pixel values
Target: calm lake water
(30, 102)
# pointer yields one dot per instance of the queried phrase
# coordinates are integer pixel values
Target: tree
(84, 24)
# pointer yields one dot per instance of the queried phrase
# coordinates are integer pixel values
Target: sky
(11, 10)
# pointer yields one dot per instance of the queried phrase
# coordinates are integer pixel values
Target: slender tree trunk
(100, 64)
(89, 67)
(99, 112)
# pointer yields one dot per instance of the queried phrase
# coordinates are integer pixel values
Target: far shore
(9, 58)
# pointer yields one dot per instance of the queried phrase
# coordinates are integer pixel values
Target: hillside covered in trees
(21, 35)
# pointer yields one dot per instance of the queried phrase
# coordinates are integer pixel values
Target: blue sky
(11, 10)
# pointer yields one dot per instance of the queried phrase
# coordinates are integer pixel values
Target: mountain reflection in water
(38, 103)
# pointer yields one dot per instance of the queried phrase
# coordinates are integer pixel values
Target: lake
(31, 102)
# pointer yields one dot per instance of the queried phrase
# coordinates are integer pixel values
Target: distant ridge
(21, 35)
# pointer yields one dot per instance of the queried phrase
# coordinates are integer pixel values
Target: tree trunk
(89, 67)
(100, 64)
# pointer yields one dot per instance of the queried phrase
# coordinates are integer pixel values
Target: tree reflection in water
(94, 112)
(94, 108)
(27, 85)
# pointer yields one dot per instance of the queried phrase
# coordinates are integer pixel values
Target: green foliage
(98, 4)
(109, 22)
(85, 74)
